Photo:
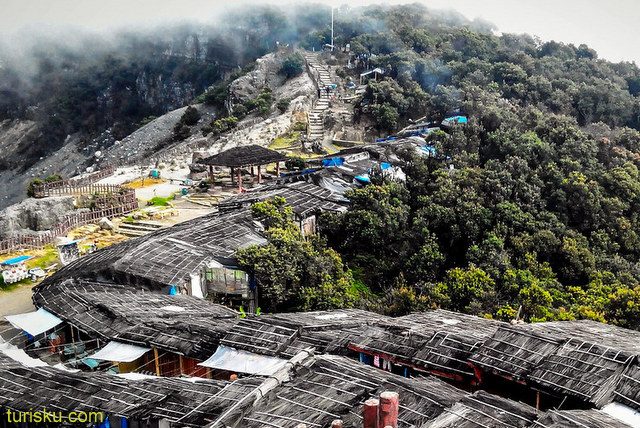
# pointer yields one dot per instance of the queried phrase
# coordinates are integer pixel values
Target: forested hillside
(541, 210)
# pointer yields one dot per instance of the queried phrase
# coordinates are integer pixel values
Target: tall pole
(331, 28)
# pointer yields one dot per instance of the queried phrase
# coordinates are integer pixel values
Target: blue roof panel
(16, 260)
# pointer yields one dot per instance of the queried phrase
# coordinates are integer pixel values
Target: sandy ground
(17, 300)
(165, 189)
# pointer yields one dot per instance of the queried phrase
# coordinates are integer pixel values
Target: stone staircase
(316, 115)
(138, 228)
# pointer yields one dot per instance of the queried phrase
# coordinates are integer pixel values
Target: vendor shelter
(14, 269)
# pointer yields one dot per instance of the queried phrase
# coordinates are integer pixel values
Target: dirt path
(16, 301)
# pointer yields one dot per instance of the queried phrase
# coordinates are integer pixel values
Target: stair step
(149, 223)
(132, 233)
(132, 227)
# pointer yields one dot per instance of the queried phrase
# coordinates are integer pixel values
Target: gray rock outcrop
(33, 215)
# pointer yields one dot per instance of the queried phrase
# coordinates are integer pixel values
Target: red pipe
(389, 405)
(370, 413)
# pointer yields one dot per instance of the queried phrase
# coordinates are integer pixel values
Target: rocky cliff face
(75, 108)
(34, 215)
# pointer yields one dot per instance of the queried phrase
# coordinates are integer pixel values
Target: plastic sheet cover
(34, 323)
(120, 352)
(234, 360)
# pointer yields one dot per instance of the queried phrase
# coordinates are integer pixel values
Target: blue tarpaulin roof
(430, 150)
(459, 119)
(173, 291)
(385, 165)
(364, 178)
(333, 162)
(16, 260)
(71, 243)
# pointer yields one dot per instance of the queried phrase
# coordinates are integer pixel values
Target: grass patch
(157, 201)
(285, 141)
(9, 287)
(49, 258)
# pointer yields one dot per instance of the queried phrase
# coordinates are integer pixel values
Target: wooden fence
(27, 242)
(125, 202)
(71, 186)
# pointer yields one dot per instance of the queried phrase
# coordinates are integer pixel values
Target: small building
(15, 269)
(196, 257)
(136, 331)
(68, 251)
(375, 73)
(237, 158)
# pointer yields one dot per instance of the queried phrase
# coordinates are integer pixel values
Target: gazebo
(244, 157)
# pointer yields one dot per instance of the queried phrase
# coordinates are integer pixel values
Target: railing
(67, 187)
(123, 202)
(27, 242)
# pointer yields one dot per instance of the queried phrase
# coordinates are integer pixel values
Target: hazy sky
(610, 27)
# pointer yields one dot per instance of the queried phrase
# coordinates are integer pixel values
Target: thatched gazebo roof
(244, 156)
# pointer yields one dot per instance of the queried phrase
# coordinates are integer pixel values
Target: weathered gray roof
(514, 351)
(167, 256)
(436, 340)
(627, 390)
(181, 324)
(190, 402)
(304, 198)
(577, 358)
(485, 410)
(287, 334)
(577, 419)
(334, 387)
(244, 156)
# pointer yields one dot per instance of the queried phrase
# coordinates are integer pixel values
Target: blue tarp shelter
(333, 162)
(430, 150)
(458, 119)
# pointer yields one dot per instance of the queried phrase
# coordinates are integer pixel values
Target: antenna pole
(332, 28)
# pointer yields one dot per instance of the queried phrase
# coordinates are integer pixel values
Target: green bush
(283, 104)
(216, 95)
(181, 131)
(224, 124)
(147, 120)
(295, 163)
(206, 130)
(191, 116)
(300, 126)
(292, 66)
(240, 111)
(31, 187)
(53, 178)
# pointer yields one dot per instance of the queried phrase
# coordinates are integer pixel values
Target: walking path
(322, 75)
